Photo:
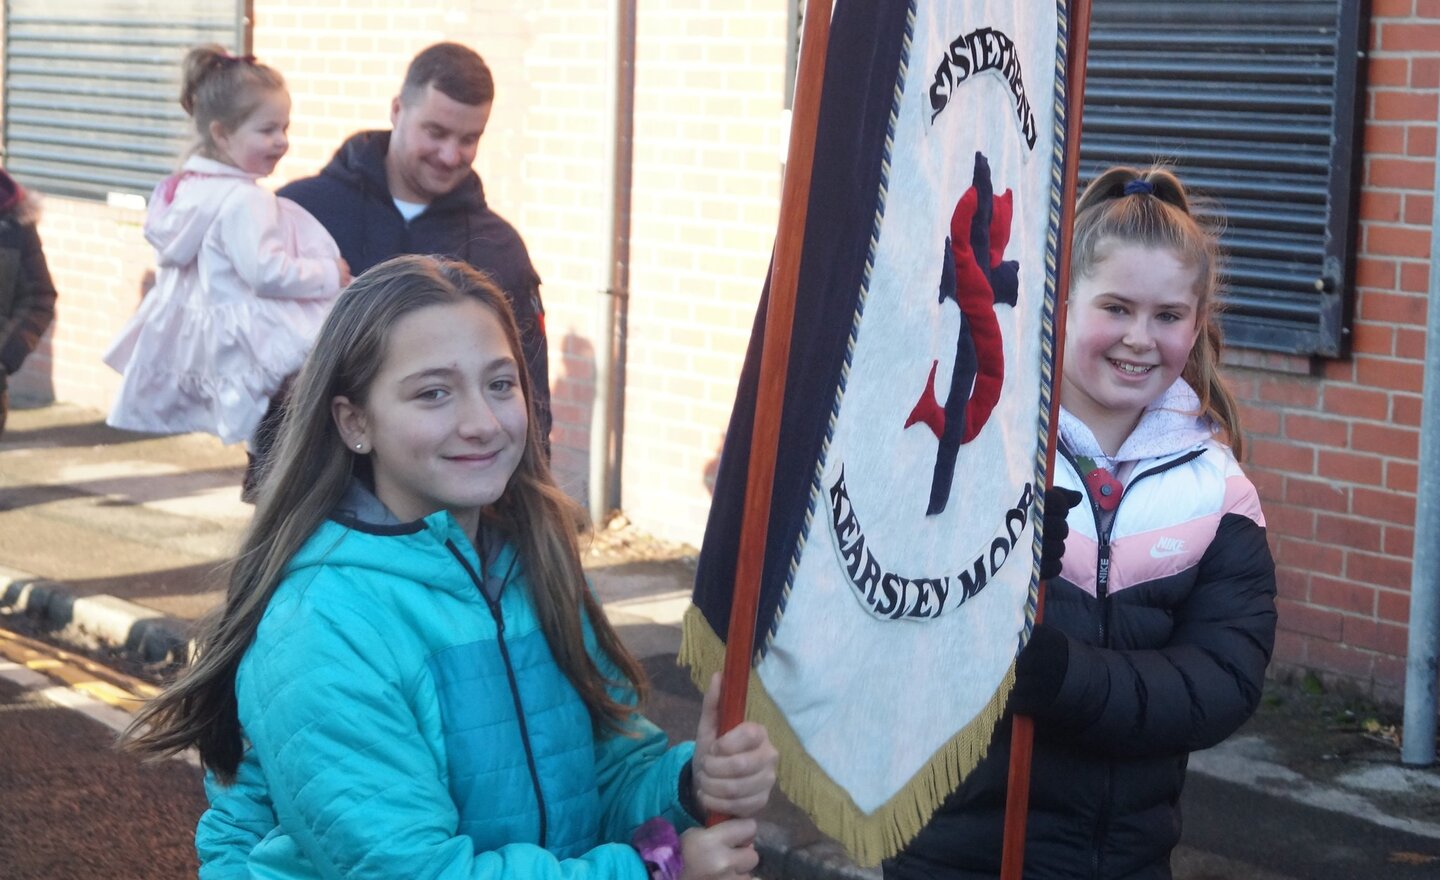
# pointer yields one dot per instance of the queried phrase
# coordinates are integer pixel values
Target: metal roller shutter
(92, 89)
(1255, 104)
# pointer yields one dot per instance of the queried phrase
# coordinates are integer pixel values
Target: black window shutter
(92, 89)
(1257, 106)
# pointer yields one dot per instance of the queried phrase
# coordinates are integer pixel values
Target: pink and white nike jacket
(1168, 605)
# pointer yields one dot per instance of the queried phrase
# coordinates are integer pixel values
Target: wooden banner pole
(1022, 733)
(774, 359)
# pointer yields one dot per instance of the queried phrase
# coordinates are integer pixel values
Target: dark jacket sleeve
(1203, 684)
(34, 304)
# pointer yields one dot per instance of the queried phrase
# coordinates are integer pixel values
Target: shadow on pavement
(75, 434)
(145, 586)
(133, 491)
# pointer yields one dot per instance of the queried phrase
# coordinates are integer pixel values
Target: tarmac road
(1274, 837)
(74, 807)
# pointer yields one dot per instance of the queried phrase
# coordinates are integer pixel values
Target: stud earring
(359, 445)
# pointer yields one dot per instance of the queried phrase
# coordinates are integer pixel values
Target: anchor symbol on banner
(976, 278)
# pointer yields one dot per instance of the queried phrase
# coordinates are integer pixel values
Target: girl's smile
(1133, 369)
(445, 421)
(1128, 333)
(261, 141)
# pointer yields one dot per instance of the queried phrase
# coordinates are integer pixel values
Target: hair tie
(659, 848)
(243, 59)
(1139, 186)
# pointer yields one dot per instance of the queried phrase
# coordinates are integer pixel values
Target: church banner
(900, 568)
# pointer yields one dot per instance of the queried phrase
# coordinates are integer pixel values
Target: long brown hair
(309, 475)
(1156, 212)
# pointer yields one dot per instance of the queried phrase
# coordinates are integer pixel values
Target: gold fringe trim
(867, 837)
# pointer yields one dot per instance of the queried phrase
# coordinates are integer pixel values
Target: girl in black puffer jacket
(1159, 628)
(27, 296)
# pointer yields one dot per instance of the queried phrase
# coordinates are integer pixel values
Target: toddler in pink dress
(244, 278)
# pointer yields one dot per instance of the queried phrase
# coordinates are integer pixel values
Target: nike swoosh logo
(1160, 553)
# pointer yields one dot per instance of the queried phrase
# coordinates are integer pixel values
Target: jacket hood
(362, 533)
(1170, 425)
(360, 162)
(175, 224)
(10, 192)
(17, 200)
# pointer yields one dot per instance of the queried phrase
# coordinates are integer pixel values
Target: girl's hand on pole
(720, 852)
(735, 773)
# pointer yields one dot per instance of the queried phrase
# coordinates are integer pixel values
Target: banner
(900, 568)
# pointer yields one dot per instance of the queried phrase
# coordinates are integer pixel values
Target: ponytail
(1151, 208)
(219, 87)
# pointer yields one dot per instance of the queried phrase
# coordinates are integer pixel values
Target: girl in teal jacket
(409, 676)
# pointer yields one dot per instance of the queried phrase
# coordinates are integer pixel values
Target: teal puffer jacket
(401, 724)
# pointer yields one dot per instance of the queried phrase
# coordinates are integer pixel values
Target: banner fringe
(867, 837)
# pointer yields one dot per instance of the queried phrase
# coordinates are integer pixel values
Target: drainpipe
(607, 425)
(1422, 667)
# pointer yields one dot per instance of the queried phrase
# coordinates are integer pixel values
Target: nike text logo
(1167, 547)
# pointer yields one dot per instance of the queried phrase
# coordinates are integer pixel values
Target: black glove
(1054, 529)
(1040, 670)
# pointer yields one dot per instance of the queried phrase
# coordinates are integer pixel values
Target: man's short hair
(455, 70)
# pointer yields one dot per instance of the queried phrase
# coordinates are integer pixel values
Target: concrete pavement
(112, 539)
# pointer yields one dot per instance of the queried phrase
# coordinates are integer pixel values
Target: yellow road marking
(77, 673)
(106, 692)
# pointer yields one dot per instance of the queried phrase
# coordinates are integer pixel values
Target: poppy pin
(1103, 488)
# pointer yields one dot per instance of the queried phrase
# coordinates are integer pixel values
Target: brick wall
(710, 90)
(540, 158)
(554, 177)
(1333, 449)
(341, 71)
(708, 140)
(99, 261)
(708, 143)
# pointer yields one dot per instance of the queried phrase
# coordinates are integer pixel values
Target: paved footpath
(112, 539)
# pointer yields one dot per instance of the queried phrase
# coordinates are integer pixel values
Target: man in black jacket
(412, 190)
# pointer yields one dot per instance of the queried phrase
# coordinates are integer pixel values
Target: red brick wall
(1334, 450)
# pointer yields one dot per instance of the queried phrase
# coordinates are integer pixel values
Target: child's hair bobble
(1139, 187)
(239, 59)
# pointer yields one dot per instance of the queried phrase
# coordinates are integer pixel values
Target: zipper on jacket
(1102, 584)
(494, 607)
(1102, 824)
(1102, 560)
(1103, 554)
(1102, 596)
